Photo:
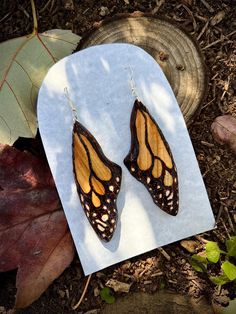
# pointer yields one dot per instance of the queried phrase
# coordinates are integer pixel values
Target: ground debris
(189, 245)
(118, 286)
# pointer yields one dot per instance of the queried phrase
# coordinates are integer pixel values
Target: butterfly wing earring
(150, 160)
(97, 179)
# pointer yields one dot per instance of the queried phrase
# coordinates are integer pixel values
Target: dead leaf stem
(35, 30)
(83, 294)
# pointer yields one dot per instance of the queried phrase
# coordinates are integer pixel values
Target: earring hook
(71, 103)
(132, 83)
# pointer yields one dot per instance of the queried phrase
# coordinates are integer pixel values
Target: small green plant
(106, 295)
(212, 255)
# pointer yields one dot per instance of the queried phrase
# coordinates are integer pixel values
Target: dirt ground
(168, 268)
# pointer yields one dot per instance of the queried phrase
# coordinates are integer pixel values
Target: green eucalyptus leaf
(213, 252)
(106, 295)
(229, 270)
(231, 246)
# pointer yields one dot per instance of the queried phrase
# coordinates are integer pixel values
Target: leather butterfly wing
(150, 160)
(98, 182)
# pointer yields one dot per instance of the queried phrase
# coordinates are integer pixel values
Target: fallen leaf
(224, 131)
(34, 235)
(24, 63)
(118, 286)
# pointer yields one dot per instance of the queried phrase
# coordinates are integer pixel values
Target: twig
(219, 214)
(197, 284)
(219, 40)
(207, 144)
(226, 230)
(206, 105)
(24, 11)
(5, 16)
(158, 6)
(203, 30)
(201, 239)
(52, 5)
(191, 15)
(229, 218)
(159, 273)
(164, 253)
(83, 294)
(207, 5)
(45, 7)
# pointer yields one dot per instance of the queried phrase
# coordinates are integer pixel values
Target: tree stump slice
(176, 53)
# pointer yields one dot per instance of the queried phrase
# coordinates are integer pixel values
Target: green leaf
(220, 280)
(106, 296)
(229, 270)
(24, 63)
(213, 252)
(198, 262)
(162, 285)
(231, 246)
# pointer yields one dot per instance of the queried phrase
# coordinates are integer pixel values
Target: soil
(209, 22)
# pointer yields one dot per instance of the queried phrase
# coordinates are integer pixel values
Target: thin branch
(164, 253)
(219, 40)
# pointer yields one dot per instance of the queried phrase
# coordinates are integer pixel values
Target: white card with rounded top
(103, 83)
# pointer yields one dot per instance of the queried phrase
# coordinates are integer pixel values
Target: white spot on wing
(111, 188)
(101, 228)
(105, 217)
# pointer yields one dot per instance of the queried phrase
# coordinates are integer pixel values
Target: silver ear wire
(132, 83)
(71, 104)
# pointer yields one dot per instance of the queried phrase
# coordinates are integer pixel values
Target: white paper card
(99, 83)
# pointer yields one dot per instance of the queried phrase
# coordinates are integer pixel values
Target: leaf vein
(13, 59)
(18, 102)
(46, 48)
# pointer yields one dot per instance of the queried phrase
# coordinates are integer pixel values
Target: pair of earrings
(98, 179)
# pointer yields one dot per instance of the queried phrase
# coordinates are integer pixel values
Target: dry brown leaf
(34, 235)
(224, 131)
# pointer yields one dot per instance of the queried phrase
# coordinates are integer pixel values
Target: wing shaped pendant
(98, 182)
(150, 160)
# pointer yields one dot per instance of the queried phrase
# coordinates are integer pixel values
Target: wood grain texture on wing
(98, 182)
(150, 160)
